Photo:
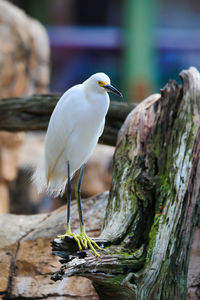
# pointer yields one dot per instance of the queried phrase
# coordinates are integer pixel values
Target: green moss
(116, 280)
(152, 238)
(190, 140)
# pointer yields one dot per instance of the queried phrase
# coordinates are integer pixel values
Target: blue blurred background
(139, 44)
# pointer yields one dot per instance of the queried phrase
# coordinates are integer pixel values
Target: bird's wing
(60, 127)
(102, 128)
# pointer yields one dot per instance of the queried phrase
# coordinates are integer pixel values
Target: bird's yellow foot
(83, 240)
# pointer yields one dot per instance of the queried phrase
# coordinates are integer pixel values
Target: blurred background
(139, 44)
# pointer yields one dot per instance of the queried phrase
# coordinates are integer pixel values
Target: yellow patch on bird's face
(102, 83)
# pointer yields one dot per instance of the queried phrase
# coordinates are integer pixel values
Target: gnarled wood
(33, 113)
(153, 204)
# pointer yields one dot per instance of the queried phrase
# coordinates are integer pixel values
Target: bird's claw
(83, 241)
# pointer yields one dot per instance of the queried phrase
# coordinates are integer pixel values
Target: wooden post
(139, 64)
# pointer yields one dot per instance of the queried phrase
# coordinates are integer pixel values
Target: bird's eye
(101, 83)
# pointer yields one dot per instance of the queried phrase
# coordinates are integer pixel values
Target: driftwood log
(153, 205)
(33, 113)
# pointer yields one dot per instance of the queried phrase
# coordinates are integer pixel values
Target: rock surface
(26, 262)
(24, 69)
(24, 53)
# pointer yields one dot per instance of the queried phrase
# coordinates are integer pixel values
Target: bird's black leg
(69, 193)
(78, 196)
(82, 239)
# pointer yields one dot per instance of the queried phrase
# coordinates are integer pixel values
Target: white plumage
(73, 132)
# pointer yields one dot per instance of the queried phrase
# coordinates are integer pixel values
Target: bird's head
(100, 82)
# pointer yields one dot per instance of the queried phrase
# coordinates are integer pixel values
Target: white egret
(73, 132)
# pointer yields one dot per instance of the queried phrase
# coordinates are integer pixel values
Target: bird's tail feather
(54, 187)
(38, 177)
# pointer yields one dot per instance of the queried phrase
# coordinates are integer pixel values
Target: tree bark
(33, 113)
(153, 205)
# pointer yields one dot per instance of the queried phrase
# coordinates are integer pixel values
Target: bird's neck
(99, 101)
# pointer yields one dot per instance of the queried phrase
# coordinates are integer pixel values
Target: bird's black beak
(112, 89)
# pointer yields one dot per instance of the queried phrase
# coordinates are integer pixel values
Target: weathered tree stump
(153, 205)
